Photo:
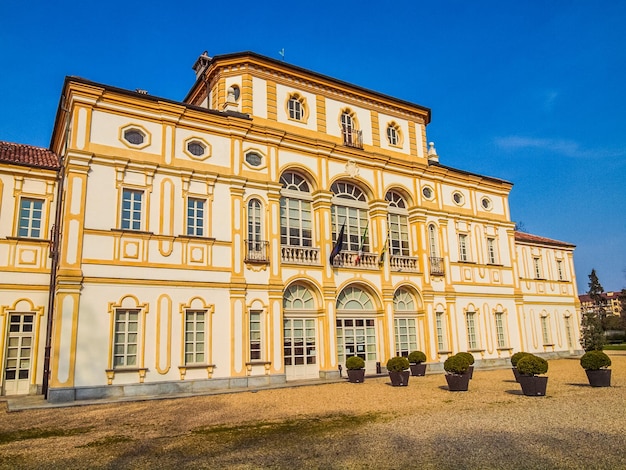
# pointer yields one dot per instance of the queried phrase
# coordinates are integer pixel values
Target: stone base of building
(145, 390)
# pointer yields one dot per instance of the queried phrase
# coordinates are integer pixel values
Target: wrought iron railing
(436, 266)
(299, 255)
(257, 251)
(352, 137)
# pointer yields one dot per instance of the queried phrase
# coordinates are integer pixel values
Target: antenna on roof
(282, 53)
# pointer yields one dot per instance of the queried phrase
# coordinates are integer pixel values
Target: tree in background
(592, 333)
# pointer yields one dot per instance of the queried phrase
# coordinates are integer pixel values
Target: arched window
(356, 327)
(295, 107)
(432, 241)
(298, 297)
(349, 208)
(397, 218)
(405, 322)
(295, 211)
(352, 137)
(299, 333)
(393, 134)
(256, 246)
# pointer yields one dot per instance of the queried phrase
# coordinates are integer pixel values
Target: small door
(357, 337)
(17, 367)
(300, 353)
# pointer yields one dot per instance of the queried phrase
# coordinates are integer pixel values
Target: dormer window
(296, 107)
(393, 134)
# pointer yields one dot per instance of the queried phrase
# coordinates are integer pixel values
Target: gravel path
(342, 425)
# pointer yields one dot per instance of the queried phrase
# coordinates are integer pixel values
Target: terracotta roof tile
(528, 238)
(28, 155)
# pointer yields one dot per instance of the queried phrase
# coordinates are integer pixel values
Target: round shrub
(517, 356)
(532, 365)
(595, 360)
(456, 364)
(468, 356)
(354, 363)
(417, 357)
(397, 364)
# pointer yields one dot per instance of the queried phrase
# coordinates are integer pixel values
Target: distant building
(272, 224)
(610, 302)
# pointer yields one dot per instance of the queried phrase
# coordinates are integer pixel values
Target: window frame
(126, 344)
(492, 257)
(255, 335)
(473, 342)
(30, 217)
(296, 199)
(195, 342)
(463, 247)
(134, 217)
(500, 330)
(196, 221)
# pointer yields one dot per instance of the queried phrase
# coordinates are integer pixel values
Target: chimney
(201, 64)
(432, 153)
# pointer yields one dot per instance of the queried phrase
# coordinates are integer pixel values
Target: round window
(458, 198)
(134, 136)
(427, 192)
(486, 203)
(254, 159)
(196, 148)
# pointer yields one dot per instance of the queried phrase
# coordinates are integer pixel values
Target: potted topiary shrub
(514, 360)
(530, 368)
(470, 359)
(356, 369)
(417, 360)
(596, 365)
(398, 371)
(457, 376)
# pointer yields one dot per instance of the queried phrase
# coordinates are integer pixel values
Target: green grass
(615, 347)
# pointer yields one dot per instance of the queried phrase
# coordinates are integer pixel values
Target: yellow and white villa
(270, 225)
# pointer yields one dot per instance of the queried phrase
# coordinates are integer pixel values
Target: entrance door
(17, 367)
(357, 337)
(300, 352)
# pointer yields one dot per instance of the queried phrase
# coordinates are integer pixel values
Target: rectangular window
(255, 336)
(472, 342)
(126, 338)
(406, 336)
(131, 209)
(441, 331)
(195, 217)
(491, 251)
(500, 334)
(463, 256)
(545, 331)
(559, 270)
(537, 266)
(30, 218)
(195, 337)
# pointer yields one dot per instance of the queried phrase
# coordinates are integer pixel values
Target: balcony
(350, 259)
(300, 255)
(352, 137)
(436, 266)
(407, 264)
(257, 251)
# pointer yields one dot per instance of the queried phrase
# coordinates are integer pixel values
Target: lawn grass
(615, 347)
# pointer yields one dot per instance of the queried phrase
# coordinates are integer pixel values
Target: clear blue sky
(533, 92)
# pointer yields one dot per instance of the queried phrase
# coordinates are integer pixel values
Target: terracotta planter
(599, 378)
(400, 379)
(356, 376)
(533, 385)
(516, 374)
(418, 370)
(458, 382)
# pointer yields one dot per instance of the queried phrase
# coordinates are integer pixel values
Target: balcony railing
(400, 263)
(300, 255)
(257, 251)
(352, 138)
(351, 259)
(436, 266)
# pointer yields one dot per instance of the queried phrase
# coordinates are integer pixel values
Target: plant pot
(356, 376)
(400, 379)
(516, 373)
(458, 382)
(470, 372)
(599, 378)
(533, 385)
(418, 370)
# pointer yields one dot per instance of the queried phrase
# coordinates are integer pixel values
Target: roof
(605, 295)
(28, 155)
(529, 238)
(469, 173)
(294, 68)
